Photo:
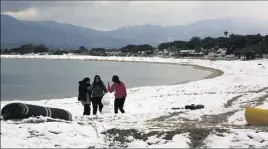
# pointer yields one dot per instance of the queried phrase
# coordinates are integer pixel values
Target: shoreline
(215, 72)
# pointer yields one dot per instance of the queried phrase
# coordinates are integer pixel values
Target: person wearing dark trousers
(120, 94)
(98, 91)
(84, 93)
(119, 104)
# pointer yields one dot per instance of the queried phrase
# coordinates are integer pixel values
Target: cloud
(108, 15)
(28, 14)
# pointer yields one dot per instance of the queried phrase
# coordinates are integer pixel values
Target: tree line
(232, 43)
(27, 48)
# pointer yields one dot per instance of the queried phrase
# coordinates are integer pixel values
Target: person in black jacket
(98, 90)
(84, 95)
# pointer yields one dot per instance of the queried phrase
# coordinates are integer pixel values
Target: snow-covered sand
(150, 111)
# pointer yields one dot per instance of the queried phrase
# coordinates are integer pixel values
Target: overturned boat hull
(21, 110)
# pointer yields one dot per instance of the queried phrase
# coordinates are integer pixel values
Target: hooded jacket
(83, 91)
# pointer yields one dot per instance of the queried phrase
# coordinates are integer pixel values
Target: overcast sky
(108, 15)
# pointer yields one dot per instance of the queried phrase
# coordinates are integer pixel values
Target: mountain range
(16, 32)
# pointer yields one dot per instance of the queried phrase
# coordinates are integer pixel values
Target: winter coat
(118, 89)
(84, 93)
(98, 89)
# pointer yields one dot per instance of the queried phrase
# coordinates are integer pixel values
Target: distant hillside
(16, 32)
(154, 34)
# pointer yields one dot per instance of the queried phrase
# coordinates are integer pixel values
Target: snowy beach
(153, 117)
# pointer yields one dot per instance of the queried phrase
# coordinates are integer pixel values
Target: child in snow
(84, 94)
(120, 94)
(98, 90)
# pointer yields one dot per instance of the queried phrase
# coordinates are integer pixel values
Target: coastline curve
(215, 72)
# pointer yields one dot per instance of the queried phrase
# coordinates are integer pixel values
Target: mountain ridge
(14, 31)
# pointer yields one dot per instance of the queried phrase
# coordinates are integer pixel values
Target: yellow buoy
(256, 116)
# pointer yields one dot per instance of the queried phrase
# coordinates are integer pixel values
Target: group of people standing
(94, 93)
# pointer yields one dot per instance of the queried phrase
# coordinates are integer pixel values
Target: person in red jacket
(120, 94)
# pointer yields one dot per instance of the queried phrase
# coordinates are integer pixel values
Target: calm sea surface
(36, 79)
